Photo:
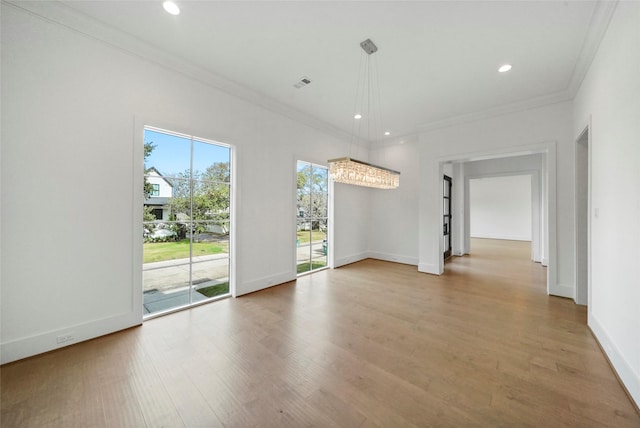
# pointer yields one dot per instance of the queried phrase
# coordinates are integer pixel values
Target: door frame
(431, 261)
(447, 227)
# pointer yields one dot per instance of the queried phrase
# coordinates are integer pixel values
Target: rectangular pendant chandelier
(358, 173)
(350, 171)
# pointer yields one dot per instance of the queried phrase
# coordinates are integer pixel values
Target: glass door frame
(447, 216)
(192, 182)
(326, 246)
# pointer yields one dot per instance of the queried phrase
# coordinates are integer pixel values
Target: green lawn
(305, 267)
(316, 235)
(214, 290)
(160, 251)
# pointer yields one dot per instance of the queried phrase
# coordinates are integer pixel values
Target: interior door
(448, 184)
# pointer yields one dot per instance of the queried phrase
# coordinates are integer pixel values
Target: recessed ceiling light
(505, 68)
(171, 7)
(387, 133)
(357, 116)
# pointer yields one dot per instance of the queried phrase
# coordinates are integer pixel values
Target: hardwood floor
(372, 344)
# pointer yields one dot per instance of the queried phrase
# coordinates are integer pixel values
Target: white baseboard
(350, 259)
(625, 372)
(393, 258)
(40, 343)
(266, 282)
(562, 290)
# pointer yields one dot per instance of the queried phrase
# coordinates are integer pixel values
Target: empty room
(319, 213)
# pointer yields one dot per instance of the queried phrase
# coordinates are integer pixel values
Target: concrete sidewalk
(166, 283)
(177, 262)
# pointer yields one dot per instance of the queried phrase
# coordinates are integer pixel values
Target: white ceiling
(437, 61)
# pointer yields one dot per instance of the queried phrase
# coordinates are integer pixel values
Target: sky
(172, 153)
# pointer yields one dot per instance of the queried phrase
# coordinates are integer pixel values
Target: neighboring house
(160, 196)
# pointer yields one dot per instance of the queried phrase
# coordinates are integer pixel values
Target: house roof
(158, 174)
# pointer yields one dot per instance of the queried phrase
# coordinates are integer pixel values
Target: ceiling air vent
(302, 82)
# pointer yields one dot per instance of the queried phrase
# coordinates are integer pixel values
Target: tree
(202, 199)
(215, 190)
(312, 195)
(147, 214)
(148, 188)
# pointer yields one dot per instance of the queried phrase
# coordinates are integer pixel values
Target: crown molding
(76, 21)
(602, 13)
(600, 19)
(524, 105)
(58, 13)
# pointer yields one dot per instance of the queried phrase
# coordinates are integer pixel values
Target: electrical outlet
(64, 338)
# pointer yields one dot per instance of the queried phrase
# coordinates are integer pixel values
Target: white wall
(545, 129)
(351, 233)
(74, 111)
(609, 100)
(393, 228)
(500, 207)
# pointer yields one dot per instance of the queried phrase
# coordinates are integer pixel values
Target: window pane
(211, 200)
(171, 155)
(319, 255)
(304, 189)
(214, 231)
(303, 232)
(319, 233)
(211, 276)
(164, 231)
(211, 238)
(319, 189)
(175, 206)
(165, 287)
(319, 205)
(320, 180)
(211, 161)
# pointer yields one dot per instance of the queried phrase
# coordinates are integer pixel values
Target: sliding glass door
(312, 213)
(186, 222)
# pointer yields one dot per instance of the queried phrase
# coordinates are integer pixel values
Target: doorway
(505, 162)
(446, 216)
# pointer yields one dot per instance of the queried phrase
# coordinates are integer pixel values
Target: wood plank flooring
(372, 344)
